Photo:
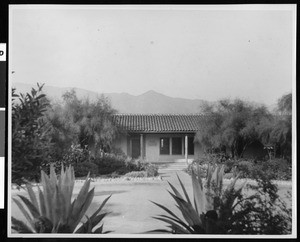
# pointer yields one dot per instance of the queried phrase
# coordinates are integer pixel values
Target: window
(164, 146)
(177, 146)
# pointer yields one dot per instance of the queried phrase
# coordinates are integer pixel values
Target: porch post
(186, 148)
(142, 145)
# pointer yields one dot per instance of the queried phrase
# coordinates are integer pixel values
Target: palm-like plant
(52, 210)
(211, 211)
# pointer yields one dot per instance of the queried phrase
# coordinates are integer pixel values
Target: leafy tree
(231, 125)
(83, 122)
(284, 104)
(278, 133)
(30, 140)
(63, 130)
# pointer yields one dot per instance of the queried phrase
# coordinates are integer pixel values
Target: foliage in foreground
(215, 210)
(211, 210)
(30, 141)
(52, 211)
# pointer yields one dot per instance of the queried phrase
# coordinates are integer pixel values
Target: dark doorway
(190, 145)
(136, 148)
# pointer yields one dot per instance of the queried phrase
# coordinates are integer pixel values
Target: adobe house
(159, 137)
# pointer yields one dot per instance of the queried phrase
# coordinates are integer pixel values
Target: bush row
(113, 165)
(275, 169)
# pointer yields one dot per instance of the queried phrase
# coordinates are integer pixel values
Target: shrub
(146, 170)
(211, 159)
(109, 163)
(280, 167)
(276, 169)
(151, 170)
(52, 211)
(114, 175)
(83, 168)
(135, 174)
(229, 165)
(79, 158)
(197, 165)
(30, 141)
(121, 164)
(117, 151)
(246, 167)
(268, 214)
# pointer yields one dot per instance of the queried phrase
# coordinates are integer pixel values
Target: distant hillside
(149, 102)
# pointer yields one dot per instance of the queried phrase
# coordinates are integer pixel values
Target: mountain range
(150, 102)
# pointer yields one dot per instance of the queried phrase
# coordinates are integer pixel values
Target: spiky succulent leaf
(187, 210)
(179, 221)
(20, 226)
(85, 206)
(32, 209)
(47, 193)
(173, 225)
(208, 173)
(159, 231)
(220, 179)
(184, 190)
(208, 198)
(176, 192)
(78, 205)
(32, 196)
(55, 207)
(99, 230)
(166, 209)
(100, 208)
(199, 195)
(42, 202)
(24, 211)
(92, 223)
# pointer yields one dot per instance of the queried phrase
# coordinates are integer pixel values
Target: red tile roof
(158, 123)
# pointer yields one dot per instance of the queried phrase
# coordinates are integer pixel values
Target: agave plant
(52, 210)
(211, 210)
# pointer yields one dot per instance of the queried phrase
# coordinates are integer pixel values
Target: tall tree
(231, 124)
(281, 131)
(81, 121)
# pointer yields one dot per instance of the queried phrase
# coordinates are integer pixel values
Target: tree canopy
(232, 125)
(80, 121)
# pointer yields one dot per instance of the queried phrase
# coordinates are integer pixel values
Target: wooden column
(186, 148)
(142, 145)
(130, 147)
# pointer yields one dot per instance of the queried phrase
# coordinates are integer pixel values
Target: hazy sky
(197, 52)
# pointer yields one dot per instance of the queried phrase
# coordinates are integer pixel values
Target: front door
(135, 148)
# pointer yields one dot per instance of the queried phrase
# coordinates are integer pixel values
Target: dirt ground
(130, 206)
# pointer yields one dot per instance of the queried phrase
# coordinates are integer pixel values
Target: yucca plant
(53, 211)
(210, 211)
